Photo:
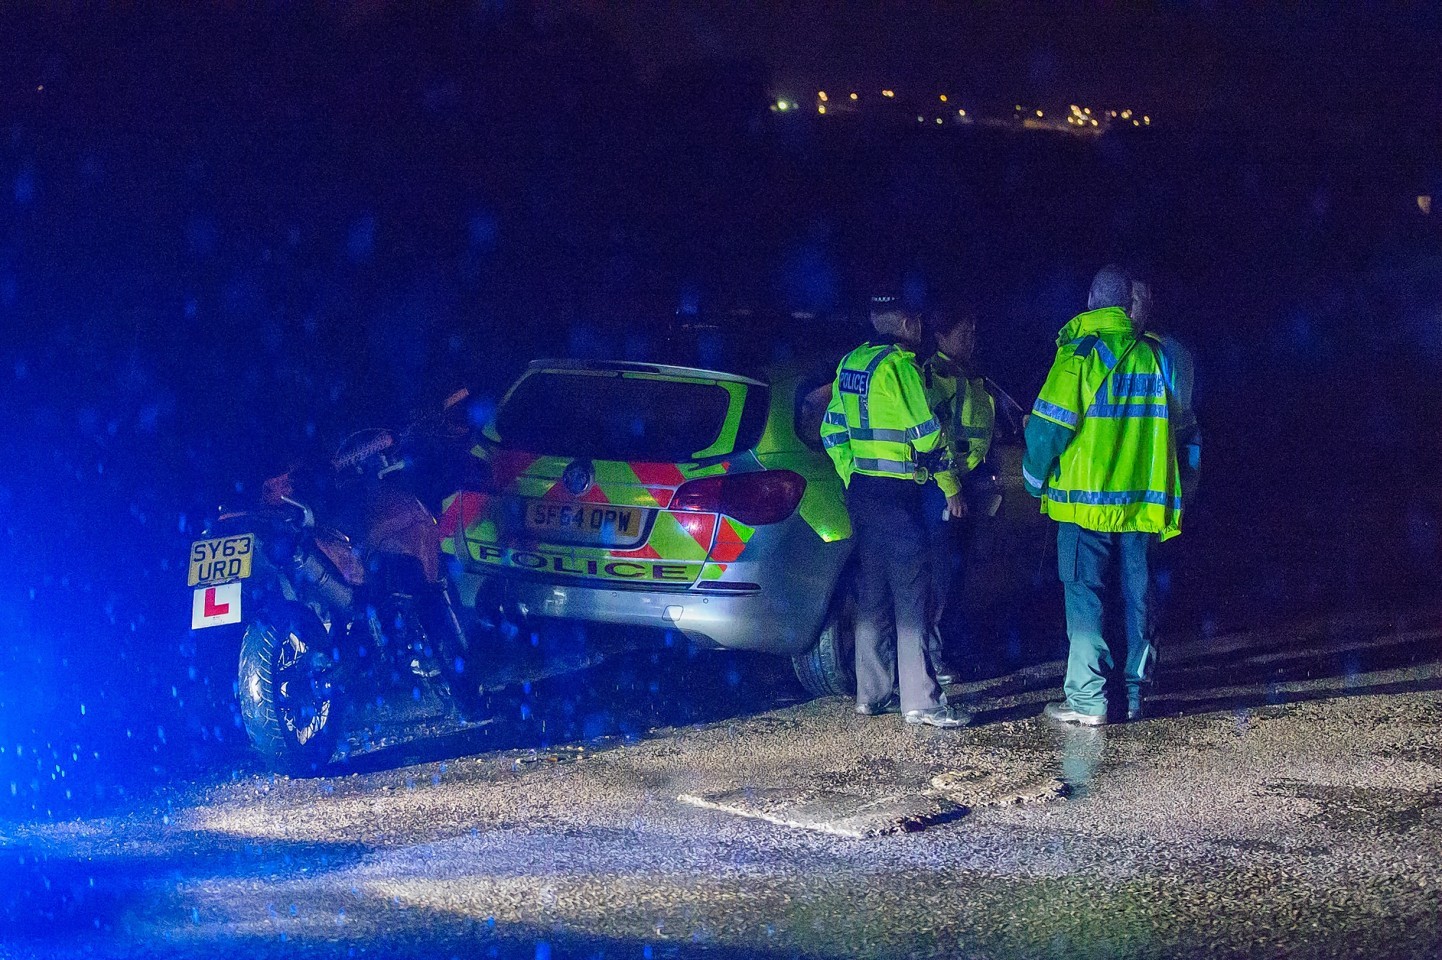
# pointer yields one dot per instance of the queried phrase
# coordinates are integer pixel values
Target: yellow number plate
(221, 560)
(592, 523)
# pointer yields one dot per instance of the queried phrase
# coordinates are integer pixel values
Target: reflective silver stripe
(1052, 411)
(1116, 498)
(925, 429)
(1108, 358)
(834, 418)
(1121, 411)
(876, 360)
(880, 433)
(834, 440)
(896, 436)
(1026, 475)
(896, 468)
(870, 369)
(1091, 342)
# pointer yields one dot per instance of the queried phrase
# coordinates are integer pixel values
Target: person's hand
(956, 506)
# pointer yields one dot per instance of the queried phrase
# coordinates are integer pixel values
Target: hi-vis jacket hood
(1107, 320)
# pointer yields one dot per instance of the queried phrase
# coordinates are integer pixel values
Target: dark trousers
(893, 593)
(950, 544)
(1084, 560)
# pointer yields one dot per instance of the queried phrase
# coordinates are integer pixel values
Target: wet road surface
(1285, 799)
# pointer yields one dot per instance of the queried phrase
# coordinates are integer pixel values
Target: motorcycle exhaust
(334, 591)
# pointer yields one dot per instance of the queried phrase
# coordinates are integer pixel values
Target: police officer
(886, 445)
(1101, 454)
(961, 403)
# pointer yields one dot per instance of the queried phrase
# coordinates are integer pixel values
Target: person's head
(955, 332)
(1141, 308)
(894, 320)
(1111, 287)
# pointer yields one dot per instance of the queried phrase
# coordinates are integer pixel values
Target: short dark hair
(946, 319)
(1111, 287)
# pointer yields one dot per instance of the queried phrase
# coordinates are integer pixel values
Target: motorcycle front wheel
(288, 701)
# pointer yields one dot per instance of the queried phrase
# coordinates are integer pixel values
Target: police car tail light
(766, 496)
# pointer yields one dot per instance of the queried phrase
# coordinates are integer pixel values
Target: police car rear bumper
(744, 617)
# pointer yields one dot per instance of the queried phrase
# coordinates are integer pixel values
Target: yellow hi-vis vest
(1119, 471)
(878, 421)
(965, 409)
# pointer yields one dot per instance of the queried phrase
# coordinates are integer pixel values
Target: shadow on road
(623, 694)
(1268, 668)
(82, 887)
(68, 900)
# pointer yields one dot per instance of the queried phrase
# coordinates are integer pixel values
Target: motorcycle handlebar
(307, 516)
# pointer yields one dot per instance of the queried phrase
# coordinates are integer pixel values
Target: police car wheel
(828, 669)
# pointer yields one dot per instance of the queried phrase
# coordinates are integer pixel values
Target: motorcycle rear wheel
(289, 707)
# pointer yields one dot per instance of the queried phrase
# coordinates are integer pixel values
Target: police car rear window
(610, 416)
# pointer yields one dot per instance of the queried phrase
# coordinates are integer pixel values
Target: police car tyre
(290, 713)
(828, 669)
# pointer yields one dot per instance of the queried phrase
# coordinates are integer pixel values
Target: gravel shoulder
(1261, 813)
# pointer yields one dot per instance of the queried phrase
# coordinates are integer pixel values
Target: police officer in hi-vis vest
(957, 395)
(1101, 454)
(886, 445)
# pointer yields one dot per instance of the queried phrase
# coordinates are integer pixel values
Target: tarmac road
(1287, 800)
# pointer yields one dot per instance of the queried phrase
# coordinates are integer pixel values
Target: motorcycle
(322, 614)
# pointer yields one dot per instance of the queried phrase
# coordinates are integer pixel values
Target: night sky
(1353, 61)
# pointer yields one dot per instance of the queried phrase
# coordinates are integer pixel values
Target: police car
(692, 500)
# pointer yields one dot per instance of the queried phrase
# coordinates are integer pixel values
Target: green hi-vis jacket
(1100, 445)
(878, 421)
(965, 409)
